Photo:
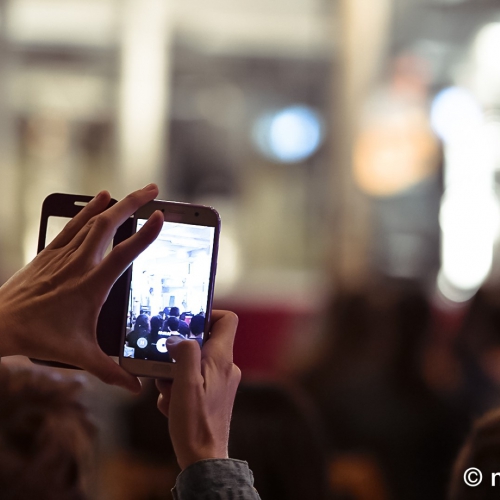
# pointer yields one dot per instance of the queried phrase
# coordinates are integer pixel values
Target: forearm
(216, 479)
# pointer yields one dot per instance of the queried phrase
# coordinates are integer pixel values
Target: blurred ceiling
(279, 28)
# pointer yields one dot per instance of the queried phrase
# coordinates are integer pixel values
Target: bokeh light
(469, 223)
(289, 135)
(486, 46)
(454, 113)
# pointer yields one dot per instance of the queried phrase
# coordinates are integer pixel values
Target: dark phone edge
(213, 272)
(63, 205)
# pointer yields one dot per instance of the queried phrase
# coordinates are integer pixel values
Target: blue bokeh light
(289, 135)
(454, 114)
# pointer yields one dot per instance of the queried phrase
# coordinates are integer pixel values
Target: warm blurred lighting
(229, 263)
(144, 90)
(394, 151)
(62, 22)
(290, 135)
(30, 241)
(454, 114)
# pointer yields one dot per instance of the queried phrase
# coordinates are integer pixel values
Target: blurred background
(352, 148)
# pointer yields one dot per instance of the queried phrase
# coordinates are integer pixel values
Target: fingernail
(99, 195)
(149, 187)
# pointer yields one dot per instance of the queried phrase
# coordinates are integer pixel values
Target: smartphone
(57, 210)
(170, 287)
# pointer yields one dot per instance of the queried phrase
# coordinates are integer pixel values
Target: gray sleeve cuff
(216, 479)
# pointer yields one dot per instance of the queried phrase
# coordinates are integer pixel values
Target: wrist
(201, 454)
(223, 478)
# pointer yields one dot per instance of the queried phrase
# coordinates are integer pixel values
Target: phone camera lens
(196, 214)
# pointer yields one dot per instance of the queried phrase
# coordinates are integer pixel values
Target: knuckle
(131, 198)
(90, 222)
(104, 222)
(45, 285)
(236, 374)
(228, 370)
(163, 404)
(233, 317)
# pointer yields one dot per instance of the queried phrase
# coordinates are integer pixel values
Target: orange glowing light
(395, 151)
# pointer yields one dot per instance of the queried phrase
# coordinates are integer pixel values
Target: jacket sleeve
(216, 479)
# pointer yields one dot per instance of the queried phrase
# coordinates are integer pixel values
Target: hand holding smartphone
(170, 287)
(51, 308)
(57, 210)
(199, 402)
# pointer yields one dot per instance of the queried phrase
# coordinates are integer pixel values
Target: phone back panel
(112, 317)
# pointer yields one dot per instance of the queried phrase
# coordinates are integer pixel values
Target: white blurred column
(362, 46)
(468, 123)
(469, 216)
(144, 93)
(11, 203)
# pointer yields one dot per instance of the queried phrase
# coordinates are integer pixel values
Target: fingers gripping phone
(171, 287)
(57, 210)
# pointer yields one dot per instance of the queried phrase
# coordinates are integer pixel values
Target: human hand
(49, 309)
(199, 401)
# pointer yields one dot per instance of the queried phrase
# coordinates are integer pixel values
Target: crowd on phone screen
(149, 333)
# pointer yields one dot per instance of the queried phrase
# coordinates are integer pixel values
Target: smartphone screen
(169, 290)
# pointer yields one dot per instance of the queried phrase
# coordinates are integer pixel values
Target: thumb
(105, 369)
(165, 389)
(187, 356)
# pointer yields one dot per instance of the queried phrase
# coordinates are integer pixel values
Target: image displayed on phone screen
(169, 290)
